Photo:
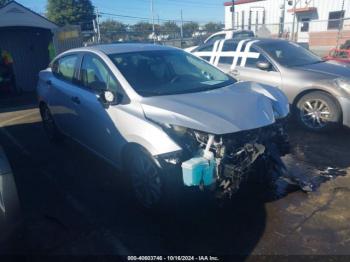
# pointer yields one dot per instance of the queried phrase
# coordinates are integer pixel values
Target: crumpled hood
(241, 106)
(327, 70)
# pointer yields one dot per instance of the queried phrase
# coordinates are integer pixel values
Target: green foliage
(3, 2)
(170, 28)
(142, 29)
(112, 31)
(189, 28)
(73, 12)
(213, 27)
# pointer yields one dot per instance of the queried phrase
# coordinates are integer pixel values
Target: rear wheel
(145, 178)
(50, 127)
(318, 111)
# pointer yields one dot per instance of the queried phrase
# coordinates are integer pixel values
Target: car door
(97, 129)
(247, 70)
(64, 98)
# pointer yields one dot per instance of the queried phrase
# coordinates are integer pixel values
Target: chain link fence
(320, 36)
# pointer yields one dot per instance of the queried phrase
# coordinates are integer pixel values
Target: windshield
(290, 54)
(167, 72)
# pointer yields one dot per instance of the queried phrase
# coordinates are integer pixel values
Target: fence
(319, 35)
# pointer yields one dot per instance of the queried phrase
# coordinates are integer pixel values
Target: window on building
(335, 19)
(305, 22)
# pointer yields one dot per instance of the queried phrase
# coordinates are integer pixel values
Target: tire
(318, 111)
(145, 178)
(49, 124)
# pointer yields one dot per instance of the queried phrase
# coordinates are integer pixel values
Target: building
(317, 22)
(26, 35)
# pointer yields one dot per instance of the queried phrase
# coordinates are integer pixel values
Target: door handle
(234, 72)
(75, 99)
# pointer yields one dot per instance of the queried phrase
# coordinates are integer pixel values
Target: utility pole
(282, 19)
(233, 14)
(182, 30)
(294, 19)
(153, 28)
(98, 26)
(340, 24)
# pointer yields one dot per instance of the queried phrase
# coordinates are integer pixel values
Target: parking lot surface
(73, 203)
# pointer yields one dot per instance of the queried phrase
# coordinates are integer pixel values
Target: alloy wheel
(146, 181)
(315, 113)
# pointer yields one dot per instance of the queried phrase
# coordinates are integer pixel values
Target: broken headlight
(179, 130)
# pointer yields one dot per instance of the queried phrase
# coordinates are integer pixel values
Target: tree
(213, 27)
(142, 29)
(73, 12)
(189, 28)
(4, 2)
(170, 28)
(112, 31)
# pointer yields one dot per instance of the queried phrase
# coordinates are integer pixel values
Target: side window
(206, 48)
(215, 38)
(228, 47)
(242, 35)
(251, 62)
(95, 74)
(64, 67)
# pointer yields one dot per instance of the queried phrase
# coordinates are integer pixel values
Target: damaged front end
(227, 160)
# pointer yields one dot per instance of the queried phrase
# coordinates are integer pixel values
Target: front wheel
(318, 111)
(145, 176)
(49, 124)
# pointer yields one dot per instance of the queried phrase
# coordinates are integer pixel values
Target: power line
(145, 18)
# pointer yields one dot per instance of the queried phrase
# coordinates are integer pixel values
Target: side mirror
(263, 65)
(108, 97)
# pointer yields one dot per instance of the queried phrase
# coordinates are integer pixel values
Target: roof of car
(261, 40)
(124, 48)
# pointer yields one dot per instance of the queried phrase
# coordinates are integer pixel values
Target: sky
(201, 11)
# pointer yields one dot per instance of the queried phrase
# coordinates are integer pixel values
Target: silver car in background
(318, 91)
(150, 109)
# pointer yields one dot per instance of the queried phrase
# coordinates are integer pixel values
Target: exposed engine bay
(234, 155)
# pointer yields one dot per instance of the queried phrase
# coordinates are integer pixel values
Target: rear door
(64, 99)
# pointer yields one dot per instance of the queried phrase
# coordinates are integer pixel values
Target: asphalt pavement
(75, 204)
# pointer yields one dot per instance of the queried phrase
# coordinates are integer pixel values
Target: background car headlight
(343, 83)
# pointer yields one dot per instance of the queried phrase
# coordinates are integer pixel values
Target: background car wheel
(49, 124)
(318, 111)
(145, 178)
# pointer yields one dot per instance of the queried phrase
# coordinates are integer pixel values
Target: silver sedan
(318, 91)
